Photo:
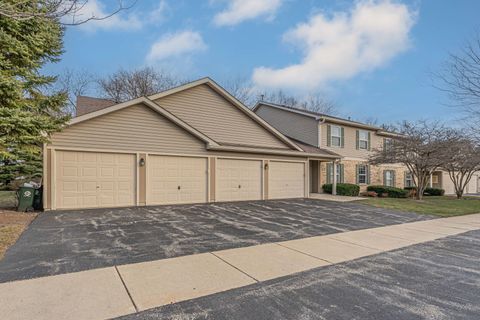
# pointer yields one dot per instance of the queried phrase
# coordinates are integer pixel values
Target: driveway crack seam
(283, 246)
(126, 289)
(361, 245)
(256, 280)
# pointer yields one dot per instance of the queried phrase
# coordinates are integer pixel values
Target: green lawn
(7, 199)
(439, 206)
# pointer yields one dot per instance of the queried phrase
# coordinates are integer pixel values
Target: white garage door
(286, 180)
(93, 180)
(239, 180)
(174, 180)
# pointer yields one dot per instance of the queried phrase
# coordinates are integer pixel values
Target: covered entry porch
(317, 176)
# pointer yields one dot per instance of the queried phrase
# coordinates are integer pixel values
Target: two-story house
(353, 141)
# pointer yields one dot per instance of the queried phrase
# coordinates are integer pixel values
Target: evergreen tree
(28, 116)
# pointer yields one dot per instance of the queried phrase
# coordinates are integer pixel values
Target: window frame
(332, 135)
(409, 180)
(364, 175)
(365, 140)
(388, 143)
(386, 179)
(339, 174)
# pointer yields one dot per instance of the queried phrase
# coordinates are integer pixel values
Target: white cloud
(241, 10)
(159, 13)
(343, 45)
(176, 44)
(96, 9)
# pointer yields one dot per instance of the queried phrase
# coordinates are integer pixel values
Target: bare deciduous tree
(311, 102)
(463, 161)
(75, 84)
(317, 103)
(67, 10)
(125, 85)
(241, 89)
(422, 147)
(246, 92)
(460, 80)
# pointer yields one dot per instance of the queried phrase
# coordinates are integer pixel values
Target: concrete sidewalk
(115, 291)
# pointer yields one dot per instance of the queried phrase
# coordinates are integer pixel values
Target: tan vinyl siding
(449, 187)
(294, 125)
(447, 183)
(350, 142)
(135, 128)
(211, 114)
(472, 185)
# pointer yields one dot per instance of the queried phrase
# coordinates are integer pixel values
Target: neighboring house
(192, 144)
(353, 141)
(88, 104)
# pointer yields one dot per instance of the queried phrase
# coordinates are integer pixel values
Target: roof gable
(150, 104)
(230, 102)
(136, 128)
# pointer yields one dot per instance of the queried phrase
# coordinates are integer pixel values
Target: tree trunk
(419, 195)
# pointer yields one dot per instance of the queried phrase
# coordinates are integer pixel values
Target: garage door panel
(175, 180)
(239, 180)
(286, 180)
(85, 180)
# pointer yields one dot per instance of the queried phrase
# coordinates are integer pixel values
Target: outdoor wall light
(266, 166)
(141, 162)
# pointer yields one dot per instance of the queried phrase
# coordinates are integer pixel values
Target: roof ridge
(296, 108)
(313, 113)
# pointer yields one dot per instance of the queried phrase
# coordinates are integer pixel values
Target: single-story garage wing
(192, 144)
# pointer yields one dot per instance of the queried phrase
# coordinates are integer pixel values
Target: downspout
(321, 120)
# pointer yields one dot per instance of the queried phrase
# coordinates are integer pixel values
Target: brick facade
(376, 173)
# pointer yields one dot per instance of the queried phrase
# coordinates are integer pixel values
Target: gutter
(274, 152)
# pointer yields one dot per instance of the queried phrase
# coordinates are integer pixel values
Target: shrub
(390, 192)
(372, 194)
(343, 189)
(434, 192)
(412, 191)
(427, 191)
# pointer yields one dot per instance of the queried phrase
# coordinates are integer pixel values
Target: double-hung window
(408, 180)
(362, 174)
(340, 174)
(363, 139)
(336, 136)
(387, 144)
(389, 178)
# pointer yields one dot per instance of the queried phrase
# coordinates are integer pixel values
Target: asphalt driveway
(69, 241)
(433, 280)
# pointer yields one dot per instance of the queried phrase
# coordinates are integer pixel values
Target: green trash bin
(25, 199)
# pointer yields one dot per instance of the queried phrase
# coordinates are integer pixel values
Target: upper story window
(363, 139)
(387, 143)
(336, 136)
(389, 178)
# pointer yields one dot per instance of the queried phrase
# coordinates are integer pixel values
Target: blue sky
(373, 58)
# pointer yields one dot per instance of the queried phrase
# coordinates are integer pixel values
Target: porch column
(431, 180)
(334, 184)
